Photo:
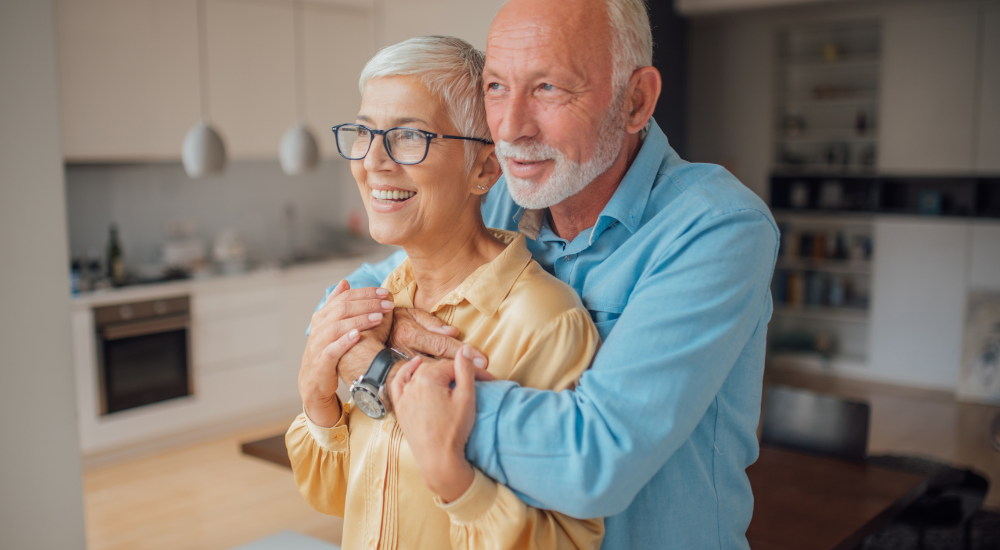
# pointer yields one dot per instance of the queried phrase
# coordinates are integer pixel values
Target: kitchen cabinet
(918, 301)
(251, 82)
(988, 152)
(337, 42)
(929, 74)
(128, 77)
(130, 86)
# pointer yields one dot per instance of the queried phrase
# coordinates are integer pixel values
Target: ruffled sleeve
(321, 461)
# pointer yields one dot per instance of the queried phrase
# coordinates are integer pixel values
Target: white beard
(568, 177)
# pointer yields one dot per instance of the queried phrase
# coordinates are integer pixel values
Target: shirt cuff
(474, 502)
(333, 439)
(481, 450)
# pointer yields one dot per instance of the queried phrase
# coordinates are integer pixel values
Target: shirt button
(339, 437)
(386, 426)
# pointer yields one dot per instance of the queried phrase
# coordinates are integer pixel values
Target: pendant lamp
(298, 152)
(204, 153)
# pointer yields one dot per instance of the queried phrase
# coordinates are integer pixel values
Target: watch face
(368, 402)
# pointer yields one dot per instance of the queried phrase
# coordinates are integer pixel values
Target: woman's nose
(377, 157)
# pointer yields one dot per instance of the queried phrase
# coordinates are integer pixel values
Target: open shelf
(825, 313)
(857, 267)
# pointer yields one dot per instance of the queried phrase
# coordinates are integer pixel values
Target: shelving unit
(822, 291)
(827, 102)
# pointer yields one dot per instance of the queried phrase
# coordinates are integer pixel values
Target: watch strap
(380, 367)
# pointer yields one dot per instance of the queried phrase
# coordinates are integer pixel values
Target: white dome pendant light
(298, 152)
(204, 153)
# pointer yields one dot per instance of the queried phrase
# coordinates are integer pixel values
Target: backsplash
(267, 209)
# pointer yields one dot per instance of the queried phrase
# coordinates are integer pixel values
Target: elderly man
(673, 260)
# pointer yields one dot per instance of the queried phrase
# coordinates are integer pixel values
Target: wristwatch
(368, 390)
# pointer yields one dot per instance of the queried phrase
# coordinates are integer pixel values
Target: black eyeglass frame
(385, 140)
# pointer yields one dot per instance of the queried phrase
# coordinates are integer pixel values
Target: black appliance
(143, 352)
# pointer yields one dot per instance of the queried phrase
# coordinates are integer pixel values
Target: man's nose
(518, 119)
(377, 157)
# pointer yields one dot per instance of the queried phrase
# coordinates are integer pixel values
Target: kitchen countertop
(253, 277)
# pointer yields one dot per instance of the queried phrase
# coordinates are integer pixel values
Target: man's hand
(437, 419)
(336, 328)
(414, 331)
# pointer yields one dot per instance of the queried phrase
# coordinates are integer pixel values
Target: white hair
(631, 39)
(452, 69)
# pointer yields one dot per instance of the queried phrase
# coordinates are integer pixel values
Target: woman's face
(435, 194)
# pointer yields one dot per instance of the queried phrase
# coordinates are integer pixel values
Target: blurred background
(173, 207)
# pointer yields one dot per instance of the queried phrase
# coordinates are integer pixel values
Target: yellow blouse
(535, 331)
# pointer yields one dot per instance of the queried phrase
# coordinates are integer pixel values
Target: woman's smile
(388, 200)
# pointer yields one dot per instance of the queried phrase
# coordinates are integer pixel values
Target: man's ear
(486, 170)
(640, 98)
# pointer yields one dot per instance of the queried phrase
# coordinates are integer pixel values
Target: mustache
(532, 151)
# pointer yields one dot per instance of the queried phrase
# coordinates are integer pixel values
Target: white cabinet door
(984, 267)
(988, 153)
(128, 76)
(337, 42)
(918, 301)
(251, 70)
(928, 93)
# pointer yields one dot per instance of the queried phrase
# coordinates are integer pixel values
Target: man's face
(550, 100)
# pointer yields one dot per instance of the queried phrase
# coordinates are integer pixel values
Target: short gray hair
(632, 39)
(452, 69)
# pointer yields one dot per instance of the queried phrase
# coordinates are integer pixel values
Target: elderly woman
(422, 158)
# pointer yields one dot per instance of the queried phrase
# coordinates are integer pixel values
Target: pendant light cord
(203, 58)
(300, 85)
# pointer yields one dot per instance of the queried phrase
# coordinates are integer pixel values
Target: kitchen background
(872, 129)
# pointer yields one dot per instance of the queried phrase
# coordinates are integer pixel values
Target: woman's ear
(485, 171)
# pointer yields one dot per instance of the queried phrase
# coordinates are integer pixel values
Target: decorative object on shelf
(795, 125)
(979, 379)
(204, 152)
(298, 153)
(929, 203)
(799, 195)
(831, 52)
(861, 123)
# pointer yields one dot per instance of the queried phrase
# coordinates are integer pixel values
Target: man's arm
(588, 452)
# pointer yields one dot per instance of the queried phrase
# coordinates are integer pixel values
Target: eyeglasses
(404, 145)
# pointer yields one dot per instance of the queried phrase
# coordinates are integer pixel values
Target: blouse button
(339, 437)
(386, 426)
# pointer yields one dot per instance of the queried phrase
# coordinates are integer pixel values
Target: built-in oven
(143, 352)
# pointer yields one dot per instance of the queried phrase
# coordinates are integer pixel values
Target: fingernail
(467, 352)
(353, 334)
(382, 291)
(445, 327)
(479, 362)
(386, 304)
(375, 317)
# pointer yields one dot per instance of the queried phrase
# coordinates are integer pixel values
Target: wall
(250, 196)
(41, 494)
(403, 19)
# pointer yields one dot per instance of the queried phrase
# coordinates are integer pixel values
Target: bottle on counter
(116, 262)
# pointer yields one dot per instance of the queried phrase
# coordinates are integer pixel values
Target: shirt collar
(485, 288)
(628, 204)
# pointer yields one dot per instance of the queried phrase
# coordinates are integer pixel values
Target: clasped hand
(350, 329)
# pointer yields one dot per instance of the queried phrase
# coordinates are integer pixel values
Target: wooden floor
(203, 497)
(211, 497)
(917, 422)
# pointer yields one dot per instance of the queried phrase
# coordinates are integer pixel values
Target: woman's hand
(437, 419)
(336, 328)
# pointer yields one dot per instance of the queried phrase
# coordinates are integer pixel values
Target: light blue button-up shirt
(659, 432)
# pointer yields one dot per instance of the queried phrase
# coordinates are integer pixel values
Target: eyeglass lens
(405, 146)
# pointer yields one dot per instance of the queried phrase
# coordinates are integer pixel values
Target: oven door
(144, 362)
